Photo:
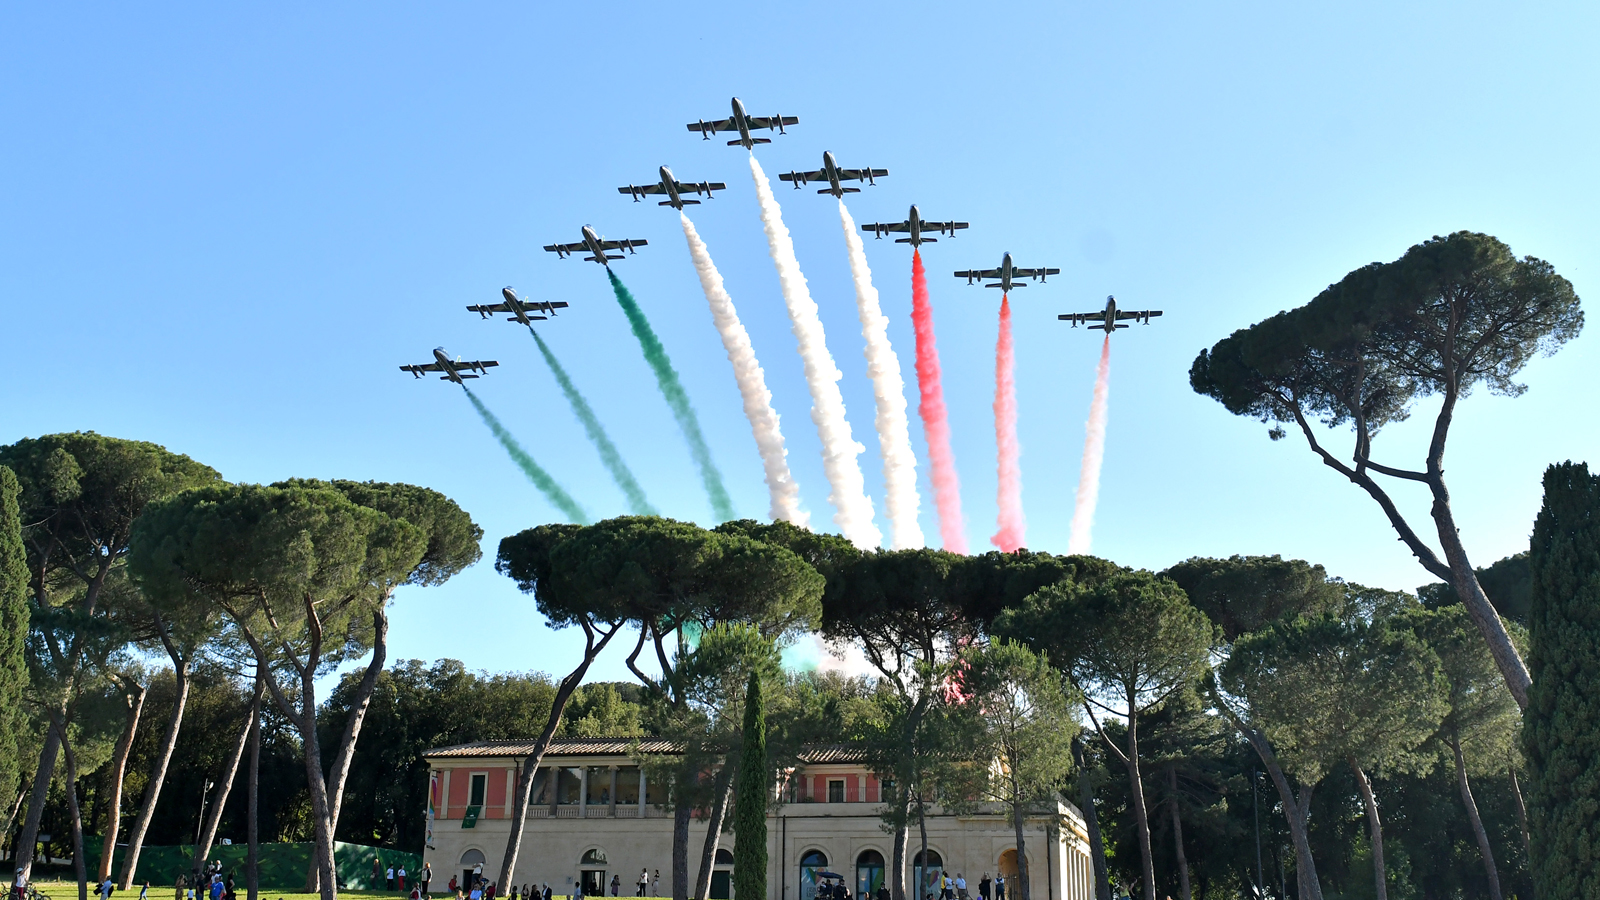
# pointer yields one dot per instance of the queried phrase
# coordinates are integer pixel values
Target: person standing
(388, 879)
(400, 878)
(616, 885)
(425, 877)
(655, 884)
(644, 882)
(377, 869)
(983, 886)
(1000, 886)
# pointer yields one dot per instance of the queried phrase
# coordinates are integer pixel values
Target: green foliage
(1452, 313)
(750, 798)
(1508, 584)
(1481, 714)
(1242, 594)
(1328, 690)
(452, 536)
(1022, 724)
(13, 631)
(1561, 725)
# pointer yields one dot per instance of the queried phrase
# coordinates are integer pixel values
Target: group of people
(209, 884)
(394, 878)
(956, 888)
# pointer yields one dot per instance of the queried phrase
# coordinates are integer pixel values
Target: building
(595, 817)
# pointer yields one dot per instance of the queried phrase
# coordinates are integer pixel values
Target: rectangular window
(836, 790)
(480, 787)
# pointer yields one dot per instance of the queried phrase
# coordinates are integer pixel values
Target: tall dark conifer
(750, 800)
(13, 629)
(1561, 726)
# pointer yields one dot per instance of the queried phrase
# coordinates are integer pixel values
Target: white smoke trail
(785, 494)
(900, 498)
(846, 489)
(1094, 451)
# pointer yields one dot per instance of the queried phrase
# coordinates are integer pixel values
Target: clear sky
(223, 228)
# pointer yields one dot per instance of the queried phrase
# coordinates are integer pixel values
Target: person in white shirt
(961, 886)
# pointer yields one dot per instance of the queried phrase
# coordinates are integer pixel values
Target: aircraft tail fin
(754, 140)
(669, 202)
(1101, 326)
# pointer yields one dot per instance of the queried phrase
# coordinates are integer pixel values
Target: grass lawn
(68, 890)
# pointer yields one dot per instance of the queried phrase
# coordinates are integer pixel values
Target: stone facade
(600, 821)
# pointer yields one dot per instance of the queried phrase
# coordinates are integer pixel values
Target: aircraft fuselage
(592, 240)
(743, 124)
(1111, 315)
(830, 168)
(915, 226)
(449, 368)
(1005, 273)
(519, 312)
(670, 185)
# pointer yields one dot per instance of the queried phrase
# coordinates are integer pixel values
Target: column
(552, 786)
(583, 791)
(642, 784)
(511, 787)
(444, 795)
(613, 812)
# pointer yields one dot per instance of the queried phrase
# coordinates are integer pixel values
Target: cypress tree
(13, 629)
(1561, 726)
(750, 801)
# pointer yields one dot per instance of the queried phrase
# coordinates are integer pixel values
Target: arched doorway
(591, 869)
(928, 874)
(471, 862)
(722, 875)
(812, 863)
(1007, 867)
(869, 874)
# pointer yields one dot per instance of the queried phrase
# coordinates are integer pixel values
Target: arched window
(812, 865)
(724, 856)
(928, 875)
(869, 874)
(472, 858)
(595, 857)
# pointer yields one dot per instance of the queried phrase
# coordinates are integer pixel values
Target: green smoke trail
(540, 478)
(609, 455)
(672, 389)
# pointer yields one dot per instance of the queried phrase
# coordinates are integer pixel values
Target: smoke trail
(609, 455)
(781, 486)
(1009, 537)
(900, 498)
(847, 491)
(935, 421)
(540, 478)
(677, 399)
(1094, 451)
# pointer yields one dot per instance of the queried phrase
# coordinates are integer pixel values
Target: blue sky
(223, 228)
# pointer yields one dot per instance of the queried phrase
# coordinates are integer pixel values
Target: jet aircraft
(595, 246)
(742, 123)
(832, 174)
(914, 226)
(454, 370)
(523, 312)
(1007, 273)
(1106, 320)
(673, 188)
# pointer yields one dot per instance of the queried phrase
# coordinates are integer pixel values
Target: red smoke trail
(1094, 451)
(1009, 537)
(935, 421)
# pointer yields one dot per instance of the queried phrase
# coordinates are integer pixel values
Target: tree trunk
(1294, 811)
(29, 839)
(1018, 820)
(80, 867)
(1097, 847)
(321, 810)
(11, 820)
(922, 832)
(252, 859)
(119, 769)
(902, 840)
(1141, 815)
(1375, 827)
(1478, 831)
(158, 773)
(208, 832)
(360, 700)
(680, 850)
(1522, 811)
(719, 812)
(530, 765)
(1177, 834)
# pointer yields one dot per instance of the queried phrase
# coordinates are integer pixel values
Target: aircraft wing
(970, 274)
(642, 189)
(862, 174)
(1137, 314)
(804, 177)
(424, 367)
(884, 227)
(488, 308)
(566, 248)
(1080, 318)
(1034, 273)
(474, 364)
(943, 227)
(700, 187)
(617, 245)
(768, 122)
(717, 125)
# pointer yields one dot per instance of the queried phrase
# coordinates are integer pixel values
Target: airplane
(742, 123)
(452, 369)
(915, 226)
(672, 188)
(522, 311)
(1107, 318)
(832, 174)
(595, 246)
(1005, 273)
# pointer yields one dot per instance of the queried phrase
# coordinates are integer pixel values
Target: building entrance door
(721, 885)
(594, 882)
